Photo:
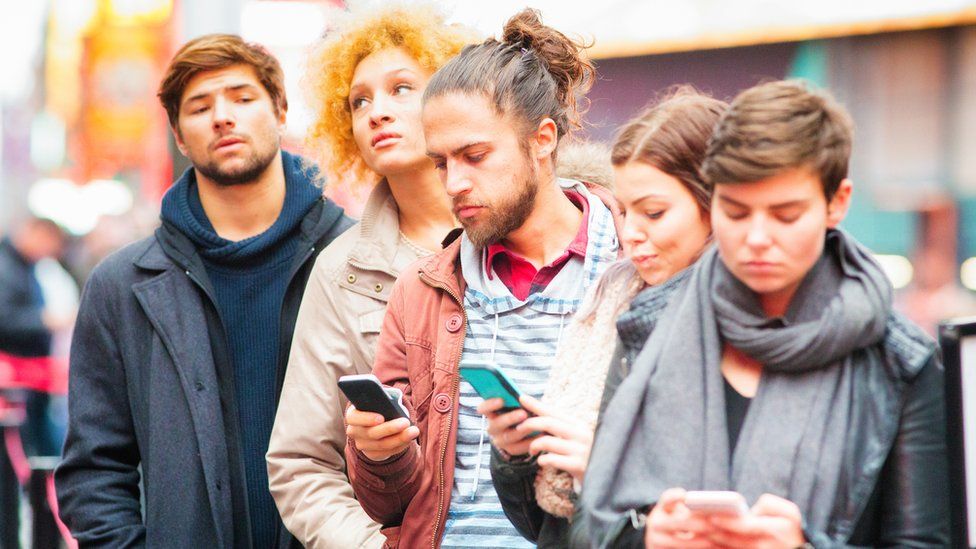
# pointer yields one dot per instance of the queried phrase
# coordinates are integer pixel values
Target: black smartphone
(491, 382)
(369, 395)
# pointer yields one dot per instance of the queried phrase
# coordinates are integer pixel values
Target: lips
(383, 138)
(643, 259)
(227, 142)
(466, 211)
(760, 267)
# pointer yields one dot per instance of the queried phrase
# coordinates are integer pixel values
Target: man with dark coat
(182, 338)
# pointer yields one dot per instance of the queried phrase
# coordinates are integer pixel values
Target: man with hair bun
(181, 342)
(501, 292)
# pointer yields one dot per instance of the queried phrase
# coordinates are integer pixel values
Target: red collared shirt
(521, 277)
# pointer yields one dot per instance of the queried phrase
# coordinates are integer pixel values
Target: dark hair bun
(562, 56)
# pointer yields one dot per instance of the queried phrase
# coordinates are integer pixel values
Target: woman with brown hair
(367, 79)
(665, 203)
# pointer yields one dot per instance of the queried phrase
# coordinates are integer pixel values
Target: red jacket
(419, 350)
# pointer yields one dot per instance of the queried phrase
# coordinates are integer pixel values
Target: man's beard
(254, 166)
(507, 214)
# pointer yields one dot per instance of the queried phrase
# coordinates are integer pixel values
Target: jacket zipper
(455, 387)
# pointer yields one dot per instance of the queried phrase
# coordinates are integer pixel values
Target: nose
(758, 236)
(380, 112)
(456, 182)
(632, 233)
(223, 118)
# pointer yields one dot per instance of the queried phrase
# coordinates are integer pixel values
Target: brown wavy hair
(672, 135)
(420, 30)
(214, 52)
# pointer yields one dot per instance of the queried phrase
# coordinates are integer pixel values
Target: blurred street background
(83, 140)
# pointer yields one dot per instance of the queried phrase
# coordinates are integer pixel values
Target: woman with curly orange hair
(366, 81)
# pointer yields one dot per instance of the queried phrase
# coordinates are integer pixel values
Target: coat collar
(379, 231)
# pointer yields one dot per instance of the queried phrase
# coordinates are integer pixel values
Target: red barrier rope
(47, 374)
(15, 451)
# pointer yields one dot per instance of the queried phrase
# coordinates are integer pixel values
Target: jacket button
(454, 323)
(351, 278)
(378, 288)
(199, 386)
(442, 402)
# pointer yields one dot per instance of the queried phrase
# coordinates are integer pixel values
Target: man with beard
(500, 294)
(182, 338)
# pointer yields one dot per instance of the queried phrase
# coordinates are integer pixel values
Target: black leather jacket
(899, 501)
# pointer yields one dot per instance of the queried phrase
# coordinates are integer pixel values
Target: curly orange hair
(420, 30)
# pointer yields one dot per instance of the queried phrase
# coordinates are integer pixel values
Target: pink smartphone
(716, 502)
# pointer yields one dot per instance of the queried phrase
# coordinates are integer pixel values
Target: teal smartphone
(491, 382)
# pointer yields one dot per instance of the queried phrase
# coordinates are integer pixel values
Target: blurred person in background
(366, 80)
(182, 338)
(665, 202)
(27, 325)
(27, 322)
(780, 370)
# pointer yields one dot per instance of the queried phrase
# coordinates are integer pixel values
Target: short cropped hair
(214, 52)
(420, 30)
(778, 126)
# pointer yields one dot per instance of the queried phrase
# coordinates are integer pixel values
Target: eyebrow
(652, 196)
(458, 150)
(234, 87)
(780, 206)
(389, 74)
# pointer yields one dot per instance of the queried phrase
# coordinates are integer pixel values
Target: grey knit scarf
(666, 425)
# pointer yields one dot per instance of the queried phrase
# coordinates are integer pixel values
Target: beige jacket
(336, 332)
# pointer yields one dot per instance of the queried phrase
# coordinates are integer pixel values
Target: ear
(545, 139)
(840, 203)
(282, 117)
(178, 136)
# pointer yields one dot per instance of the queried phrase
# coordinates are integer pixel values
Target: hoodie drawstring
(484, 420)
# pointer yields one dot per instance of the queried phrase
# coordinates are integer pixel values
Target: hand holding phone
(489, 381)
(378, 438)
(367, 394)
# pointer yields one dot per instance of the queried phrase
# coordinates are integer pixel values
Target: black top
(736, 407)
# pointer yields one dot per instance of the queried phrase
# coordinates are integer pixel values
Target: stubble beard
(249, 172)
(508, 214)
